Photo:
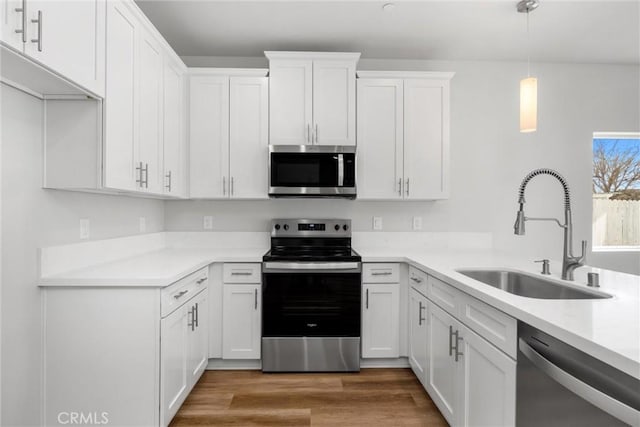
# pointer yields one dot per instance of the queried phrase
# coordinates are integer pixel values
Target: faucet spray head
(518, 227)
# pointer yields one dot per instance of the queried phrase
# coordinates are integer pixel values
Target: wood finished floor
(373, 397)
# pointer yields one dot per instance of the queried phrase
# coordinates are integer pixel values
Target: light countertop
(608, 329)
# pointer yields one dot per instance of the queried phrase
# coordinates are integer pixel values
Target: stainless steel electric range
(311, 294)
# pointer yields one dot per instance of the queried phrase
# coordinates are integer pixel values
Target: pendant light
(528, 86)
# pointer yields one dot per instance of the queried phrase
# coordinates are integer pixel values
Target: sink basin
(528, 285)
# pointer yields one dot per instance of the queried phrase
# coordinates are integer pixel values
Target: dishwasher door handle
(592, 395)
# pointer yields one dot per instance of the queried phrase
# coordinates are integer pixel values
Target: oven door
(311, 299)
(312, 171)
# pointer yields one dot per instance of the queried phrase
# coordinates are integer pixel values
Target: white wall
(489, 157)
(33, 218)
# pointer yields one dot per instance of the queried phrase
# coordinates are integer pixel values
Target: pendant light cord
(528, 48)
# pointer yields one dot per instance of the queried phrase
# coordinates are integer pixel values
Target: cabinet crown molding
(435, 75)
(338, 56)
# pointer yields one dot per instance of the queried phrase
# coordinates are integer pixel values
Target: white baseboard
(224, 365)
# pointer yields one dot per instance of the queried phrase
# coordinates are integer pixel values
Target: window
(616, 191)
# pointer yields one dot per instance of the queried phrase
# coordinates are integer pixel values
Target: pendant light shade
(528, 104)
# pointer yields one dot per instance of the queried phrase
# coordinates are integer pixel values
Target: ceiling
(561, 31)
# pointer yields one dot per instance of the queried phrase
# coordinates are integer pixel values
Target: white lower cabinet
(470, 381)
(380, 320)
(173, 365)
(241, 321)
(418, 357)
(198, 354)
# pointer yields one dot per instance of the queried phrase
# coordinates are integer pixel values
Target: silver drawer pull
(201, 280)
(416, 279)
(180, 294)
(241, 273)
(384, 273)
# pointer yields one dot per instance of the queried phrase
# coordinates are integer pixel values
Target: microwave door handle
(340, 170)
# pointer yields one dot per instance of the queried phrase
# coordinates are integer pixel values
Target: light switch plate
(377, 223)
(142, 224)
(207, 222)
(417, 223)
(84, 228)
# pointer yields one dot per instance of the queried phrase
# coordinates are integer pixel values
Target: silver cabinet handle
(450, 340)
(241, 273)
(316, 134)
(224, 186)
(407, 187)
(382, 273)
(139, 170)
(367, 299)
(416, 279)
(400, 187)
(592, 395)
(200, 280)
(458, 339)
(39, 39)
(180, 294)
(420, 308)
(231, 186)
(146, 175)
(308, 133)
(192, 323)
(255, 298)
(197, 310)
(23, 30)
(168, 186)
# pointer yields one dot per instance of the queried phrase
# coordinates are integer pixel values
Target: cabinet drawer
(445, 295)
(175, 295)
(380, 273)
(241, 273)
(493, 325)
(418, 280)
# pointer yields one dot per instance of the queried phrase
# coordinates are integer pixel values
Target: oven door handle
(311, 267)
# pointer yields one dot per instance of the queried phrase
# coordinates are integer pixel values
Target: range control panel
(289, 227)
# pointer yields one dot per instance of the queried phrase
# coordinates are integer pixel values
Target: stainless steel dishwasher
(559, 385)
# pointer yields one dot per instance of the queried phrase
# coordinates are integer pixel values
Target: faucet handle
(545, 266)
(583, 254)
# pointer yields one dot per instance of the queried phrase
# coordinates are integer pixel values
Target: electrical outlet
(417, 223)
(84, 228)
(142, 224)
(207, 222)
(377, 223)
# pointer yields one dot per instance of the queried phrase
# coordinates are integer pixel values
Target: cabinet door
(442, 382)
(334, 102)
(248, 137)
(426, 139)
(121, 115)
(198, 354)
(380, 130)
(173, 363)
(10, 21)
(150, 103)
(418, 335)
(173, 122)
(71, 39)
(381, 320)
(488, 383)
(241, 331)
(209, 137)
(290, 101)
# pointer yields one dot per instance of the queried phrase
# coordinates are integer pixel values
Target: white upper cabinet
(380, 139)
(228, 115)
(426, 139)
(209, 136)
(150, 89)
(173, 129)
(403, 135)
(121, 114)
(66, 36)
(248, 137)
(312, 98)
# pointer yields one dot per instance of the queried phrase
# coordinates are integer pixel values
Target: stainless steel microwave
(312, 171)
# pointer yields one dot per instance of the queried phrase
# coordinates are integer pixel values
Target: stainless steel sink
(528, 285)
